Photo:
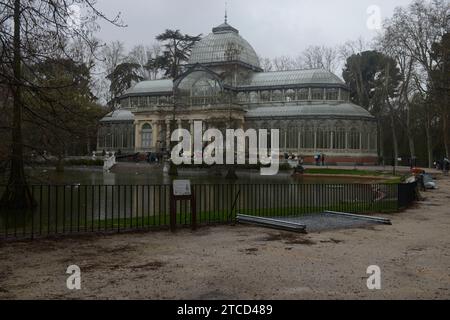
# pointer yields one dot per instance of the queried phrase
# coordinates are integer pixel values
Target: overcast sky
(273, 28)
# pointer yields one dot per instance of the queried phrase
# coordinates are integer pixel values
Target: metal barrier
(71, 209)
(407, 194)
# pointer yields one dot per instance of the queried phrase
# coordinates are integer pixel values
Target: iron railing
(71, 209)
(407, 194)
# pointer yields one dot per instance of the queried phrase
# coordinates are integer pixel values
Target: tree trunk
(412, 148)
(429, 141)
(394, 139)
(17, 194)
(380, 142)
(445, 133)
(409, 133)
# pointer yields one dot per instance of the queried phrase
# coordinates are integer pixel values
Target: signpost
(181, 190)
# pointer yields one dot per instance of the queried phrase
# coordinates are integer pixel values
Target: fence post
(173, 211)
(194, 212)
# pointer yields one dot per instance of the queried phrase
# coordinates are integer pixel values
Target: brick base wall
(336, 160)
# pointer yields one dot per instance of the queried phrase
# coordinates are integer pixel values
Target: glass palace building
(224, 86)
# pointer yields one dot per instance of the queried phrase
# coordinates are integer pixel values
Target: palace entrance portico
(153, 131)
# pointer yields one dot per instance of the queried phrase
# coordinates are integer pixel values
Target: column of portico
(161, 137)
(332, 140)
(137, 135)
(155, 134)
(168, 134)
(191, 127)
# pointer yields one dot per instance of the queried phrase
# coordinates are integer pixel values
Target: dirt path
(243, 262)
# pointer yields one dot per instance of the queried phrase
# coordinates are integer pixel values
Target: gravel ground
(317, 222)
(243, 262)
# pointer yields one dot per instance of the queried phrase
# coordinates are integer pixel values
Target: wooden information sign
(181, 190)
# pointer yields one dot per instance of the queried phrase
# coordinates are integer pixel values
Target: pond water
(155, 176)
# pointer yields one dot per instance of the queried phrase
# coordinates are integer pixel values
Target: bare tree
(141, 55)
(112, 55)
(266, 64)
(415, 29)
(32, 31)
(283, 63)
(350, 48)
(321, 57)
(407, 66)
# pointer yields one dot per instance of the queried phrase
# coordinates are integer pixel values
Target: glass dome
(198, 87)
(224, 44)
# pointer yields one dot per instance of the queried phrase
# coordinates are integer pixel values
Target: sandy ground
(241, 262)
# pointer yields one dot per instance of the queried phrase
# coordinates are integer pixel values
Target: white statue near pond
(109, 161)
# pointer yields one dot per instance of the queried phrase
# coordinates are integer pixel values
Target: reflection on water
(90, 176)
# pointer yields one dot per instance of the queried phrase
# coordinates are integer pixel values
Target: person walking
(446, 166)
(322, 156)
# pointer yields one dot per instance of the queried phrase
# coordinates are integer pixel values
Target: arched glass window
(242, 97)
(162, 100)
(365, 136)
(323, 139)
(339, 139)
(254, 97)
(353, 139)
(198, 88)
(142, 101)
(290, 95)
(332, 94)
(265, 96)
(147, 136)
(303, 94)
(372, 141)
(277, 95)
(293, 136)
(134, 102)
(317, 94)
(153, 100)
(307, 139)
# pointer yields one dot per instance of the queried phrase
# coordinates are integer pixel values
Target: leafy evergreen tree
(177, 50)
(122, 78)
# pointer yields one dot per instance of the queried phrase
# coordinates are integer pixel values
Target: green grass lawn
(355, 172)
(27, 225)
(389, 179)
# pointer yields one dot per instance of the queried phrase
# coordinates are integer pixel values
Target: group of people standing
(319, 158)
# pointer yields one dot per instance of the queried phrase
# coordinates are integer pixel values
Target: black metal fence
(72, 209)
(407, 194)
